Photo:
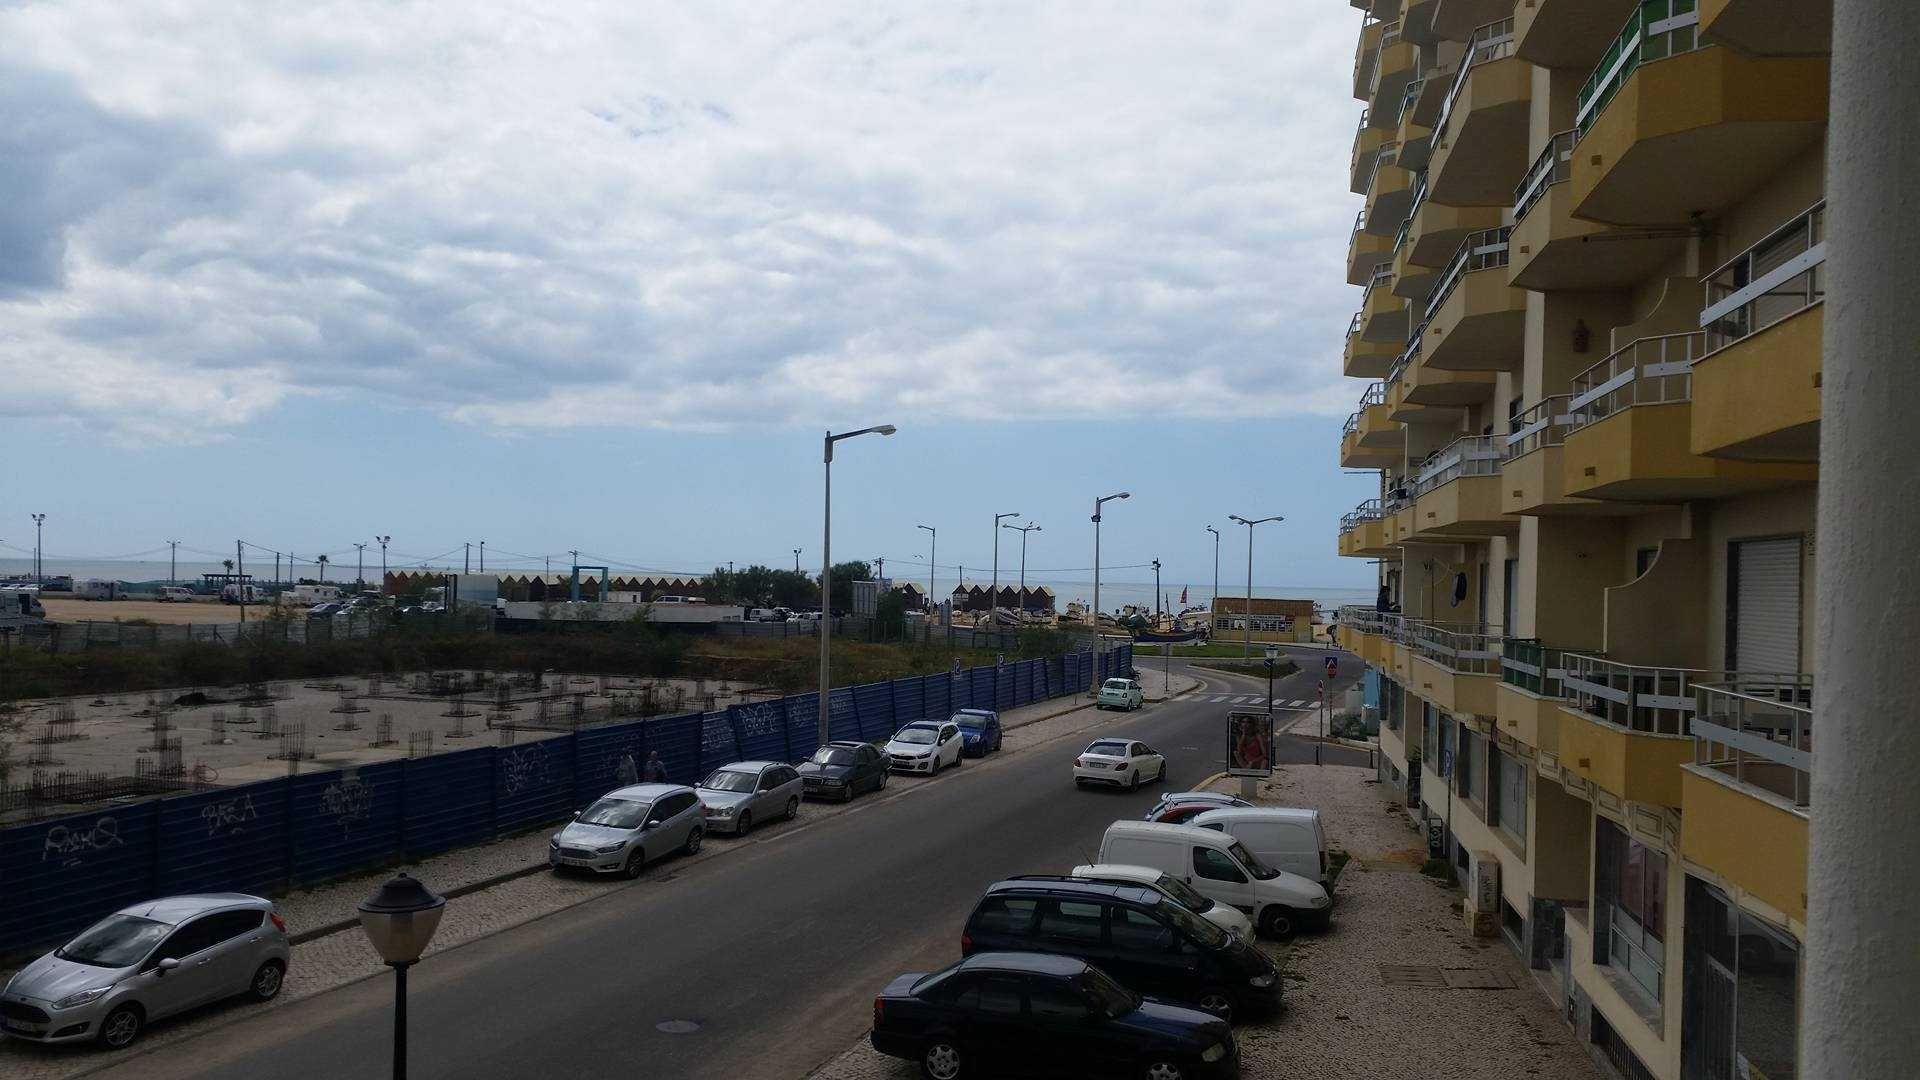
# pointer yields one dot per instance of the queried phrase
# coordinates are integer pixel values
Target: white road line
(1299, 704)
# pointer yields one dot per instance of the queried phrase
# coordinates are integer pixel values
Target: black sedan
(843, 769)
(1035, 1014)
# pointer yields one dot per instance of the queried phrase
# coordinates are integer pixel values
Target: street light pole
(1023, 530)
(39, 568)
(1213, 605)
(399, 920)
(173, 561)
(1097, 504)
(1156, 594)
(995, 596)
(826, 562)
(1246, 643)
(360, 564)
(796, 560)
(382, 540)
(933, 552)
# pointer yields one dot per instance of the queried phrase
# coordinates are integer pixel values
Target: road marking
(1299, 704)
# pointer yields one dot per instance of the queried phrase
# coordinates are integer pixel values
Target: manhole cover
(1412, 975)
(678, 1027)
(1477, 979)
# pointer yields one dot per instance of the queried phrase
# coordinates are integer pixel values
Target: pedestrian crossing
(1254, 699)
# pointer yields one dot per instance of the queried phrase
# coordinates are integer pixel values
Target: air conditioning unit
(1483, 893)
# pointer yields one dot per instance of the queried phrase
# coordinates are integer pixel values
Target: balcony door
(1763, 605)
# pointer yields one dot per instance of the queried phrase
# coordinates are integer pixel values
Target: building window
(1643, 560)
(1507, 802)
(1630, 897)
(1741, 1008)
(1463, 765)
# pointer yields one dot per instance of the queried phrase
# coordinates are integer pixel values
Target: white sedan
(925, 746)
(1122, 763)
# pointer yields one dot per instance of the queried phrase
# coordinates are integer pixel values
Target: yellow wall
(1785, 512)
(1753, 842)
(1659, 619)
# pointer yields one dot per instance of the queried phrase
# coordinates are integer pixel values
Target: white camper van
(95, 589)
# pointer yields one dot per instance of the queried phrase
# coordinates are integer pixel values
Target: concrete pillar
(1863, 875)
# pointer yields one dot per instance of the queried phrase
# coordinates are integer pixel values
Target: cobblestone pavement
(1341, 1019)
(339, 958)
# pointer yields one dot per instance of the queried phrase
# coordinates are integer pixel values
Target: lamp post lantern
(1097, 504)
(826, 561)
(994, 597)
(796, 560)
(399, 920)
(1246, 647)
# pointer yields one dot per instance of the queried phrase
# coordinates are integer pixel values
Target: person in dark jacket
(655, 770)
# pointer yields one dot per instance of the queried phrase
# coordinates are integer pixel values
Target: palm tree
(321, 561)
(228, 563)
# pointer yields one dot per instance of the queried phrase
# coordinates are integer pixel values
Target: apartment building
(1591, 250)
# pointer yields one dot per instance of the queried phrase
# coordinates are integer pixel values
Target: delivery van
(1220, 868)
(1285, 839)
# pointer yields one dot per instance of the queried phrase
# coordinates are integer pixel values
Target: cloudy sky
(408, 252)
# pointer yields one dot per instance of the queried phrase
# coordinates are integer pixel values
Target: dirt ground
(70, 611)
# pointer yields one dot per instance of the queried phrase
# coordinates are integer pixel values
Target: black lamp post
(399, 920)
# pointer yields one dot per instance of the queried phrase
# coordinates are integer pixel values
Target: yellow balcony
(1568, 34)
(1411, 281)
(1362, 532)
(1366, 253)
(1670, 131)
(1455, 667)
(1366, 359)
(1479, 143)
(1627, 728)
(1629, 437)
(1551, 249)
(1389, 192)
(1744, 798)
(1436, 231)
(1756, 393)
(1770, 27)
(1455, 20)
(1399, 384)
(1370, 440)
(1379, 9)
(1366, 51)
(1532, 476)
(1458, 493)
(1394, 69)
(1474, 320)
(1427, 386)
(1527, 702)
(1383, 316)
(1414, 137)
(1367, 141)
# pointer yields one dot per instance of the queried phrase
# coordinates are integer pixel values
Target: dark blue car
(979, 731)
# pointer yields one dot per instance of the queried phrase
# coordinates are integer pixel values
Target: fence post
(286, 826)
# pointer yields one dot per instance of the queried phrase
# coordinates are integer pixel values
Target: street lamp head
(886, 429)
(400, 918)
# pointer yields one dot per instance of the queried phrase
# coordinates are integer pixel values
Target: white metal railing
(1784, 274)
(1637, 697)
(1481, 250)
(1650, 371)
(1494, 41)
(1656, 30)
(1467, 649)
(1374, 394)
(1544, 424)
(1388, 39)
(1533, 666)
(1384, 158)
(1553, 166)
(1382, 278)
(1759, 731)
(1361, 515)
(1407, 98)
(1468, 455)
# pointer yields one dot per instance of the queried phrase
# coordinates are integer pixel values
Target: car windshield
(1255, 866)
(1109, 749)
(1111, 998)
(917, 735)
(116, 941)
(730, 780)
(1183, 894)
(832, 755)
(1194, 926)
(971, 722)
(616, 813)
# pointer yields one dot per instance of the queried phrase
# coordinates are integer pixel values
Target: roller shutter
(1766, 606)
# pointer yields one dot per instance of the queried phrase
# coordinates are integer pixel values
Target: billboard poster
(1249, 744)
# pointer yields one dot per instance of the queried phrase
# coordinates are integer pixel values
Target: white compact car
(925, 746)
(1122, 763)
(1121, 694)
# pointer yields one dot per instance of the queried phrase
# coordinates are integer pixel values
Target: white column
(1863, 875)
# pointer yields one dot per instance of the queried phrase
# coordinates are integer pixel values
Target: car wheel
(1133, 782)
(1218, 1002)
(1162, 774)
(693, 842)
(121, 1027)
(745, 823)
(935, 771)
(942, 1061)
(793, 807)
(1277, 922)
(997, 740)
(636, 862)
(267, 980)
(881, 784)
(1162, 1069)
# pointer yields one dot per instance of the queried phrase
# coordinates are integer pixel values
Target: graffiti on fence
(68, 843)
(229, 817)
(348, 800)
(522, 769)
(760, 720)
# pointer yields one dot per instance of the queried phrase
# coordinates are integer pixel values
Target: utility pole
(879, 561)
(1156, 594)
(483, 556)
(173, 562)
(276, 567)
(360, 565)
(995, 598)
(466, 558)
(382, 541)
(39, 567)
(796, 560)
(240, 575)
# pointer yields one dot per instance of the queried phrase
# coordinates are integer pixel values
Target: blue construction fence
(59, 875)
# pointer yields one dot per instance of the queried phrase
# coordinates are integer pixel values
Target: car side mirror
(575, 816)
(166, 965)
(649, 825)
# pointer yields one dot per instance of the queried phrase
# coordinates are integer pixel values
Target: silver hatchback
(629, 827)
(146, 962)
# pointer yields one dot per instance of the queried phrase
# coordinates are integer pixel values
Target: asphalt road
(774, 953)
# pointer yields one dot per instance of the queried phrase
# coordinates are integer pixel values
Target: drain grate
(1477, 979)
(1421, 975)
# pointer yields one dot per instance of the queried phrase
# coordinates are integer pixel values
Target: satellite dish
(1459, 587)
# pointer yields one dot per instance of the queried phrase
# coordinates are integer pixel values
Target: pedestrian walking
(655, 771)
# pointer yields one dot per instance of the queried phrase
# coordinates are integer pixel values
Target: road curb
(457, 891)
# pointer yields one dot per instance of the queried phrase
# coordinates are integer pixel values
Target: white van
(1290, 840)
(1219, 868)
(173, 594)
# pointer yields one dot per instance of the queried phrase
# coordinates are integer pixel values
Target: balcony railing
(1364, 619)
(1553, 166)
(1396, 628)
(1650, 371)
(1481, 250)
(1656, 30)
(1388, 39)
(1361, 515)
(1468, 455)
(1407, 99)
(1385, 158)
(1532, 666)
(1493, 41)
(1374, 394)
(1784, 274)
(1545, 424)
(1459, 647)
(1382, 277)
(1758, 730)
(1655, 700)
(1354, 326)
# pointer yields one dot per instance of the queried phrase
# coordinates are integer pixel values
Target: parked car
(1219, 868)
(1123, 763)
(1148, 943)
(1224, 916)
(737, 795)
(145, 963)
(173, 594)
(1180, 813)
(925, 746)
(321, 611)
(629, 827)
(843, 769)
(980, 732)
(1032, 1014)
(1285, 839)
(1120, 694)
(1213, 799)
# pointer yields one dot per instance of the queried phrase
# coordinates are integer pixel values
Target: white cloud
(679, 215)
